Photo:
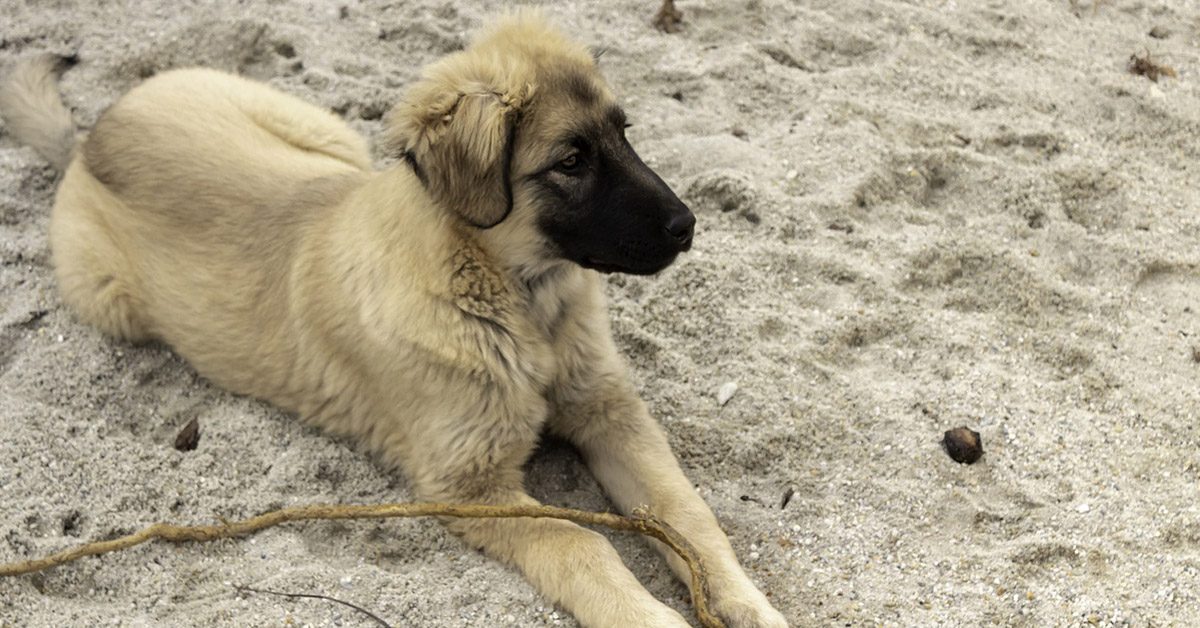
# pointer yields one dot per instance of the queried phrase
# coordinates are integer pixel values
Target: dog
(445, 311)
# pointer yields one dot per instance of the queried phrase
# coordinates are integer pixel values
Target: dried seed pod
(963, 445)
(189, 436)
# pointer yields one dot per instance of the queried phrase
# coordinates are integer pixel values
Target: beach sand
(911, 216)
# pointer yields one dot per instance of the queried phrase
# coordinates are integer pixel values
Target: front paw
(747, 609)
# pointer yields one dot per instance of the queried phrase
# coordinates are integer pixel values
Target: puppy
(445, 311)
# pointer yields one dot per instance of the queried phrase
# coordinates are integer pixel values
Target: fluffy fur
(425, 309)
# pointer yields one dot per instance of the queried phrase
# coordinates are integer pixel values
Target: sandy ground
(912, 216)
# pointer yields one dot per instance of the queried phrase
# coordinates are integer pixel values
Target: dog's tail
(33, 110)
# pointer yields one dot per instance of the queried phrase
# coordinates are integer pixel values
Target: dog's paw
(749, 610)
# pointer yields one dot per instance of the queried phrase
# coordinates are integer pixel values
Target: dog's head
(520, 130)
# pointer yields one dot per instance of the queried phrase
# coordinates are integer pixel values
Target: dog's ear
(460, 143)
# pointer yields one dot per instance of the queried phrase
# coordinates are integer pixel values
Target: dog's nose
(680, 227)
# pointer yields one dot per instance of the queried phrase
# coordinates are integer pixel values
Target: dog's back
(236, 141)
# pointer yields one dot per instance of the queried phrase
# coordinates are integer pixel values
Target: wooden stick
(641, 521)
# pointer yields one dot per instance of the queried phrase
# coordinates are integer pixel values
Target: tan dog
(445, 311)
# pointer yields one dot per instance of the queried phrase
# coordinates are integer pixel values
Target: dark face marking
(602, 207)
(580, 88)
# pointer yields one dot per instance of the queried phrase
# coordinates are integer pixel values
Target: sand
(912, 216)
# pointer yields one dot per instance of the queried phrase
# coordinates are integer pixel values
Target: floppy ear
(460, 145)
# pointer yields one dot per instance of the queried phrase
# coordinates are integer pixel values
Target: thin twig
(242, 588)
(641, 521)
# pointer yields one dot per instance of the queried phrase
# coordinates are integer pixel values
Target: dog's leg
(469, 445)
(94, 274)
(327, 134)
(302, 125)
(598, 409)
(572, 566)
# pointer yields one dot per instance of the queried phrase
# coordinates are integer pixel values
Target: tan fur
(247, 229)
(30, 105)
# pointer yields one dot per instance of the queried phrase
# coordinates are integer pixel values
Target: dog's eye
(570, 164)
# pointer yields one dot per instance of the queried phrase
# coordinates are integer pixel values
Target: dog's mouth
(602, 267)
(607, 268)
(631, 256)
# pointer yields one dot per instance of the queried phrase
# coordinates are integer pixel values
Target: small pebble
(726, 392)
(792, 174)
(1159, 32)
(963, 445)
